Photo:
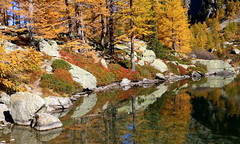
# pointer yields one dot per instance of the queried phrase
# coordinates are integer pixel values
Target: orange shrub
(64, 74)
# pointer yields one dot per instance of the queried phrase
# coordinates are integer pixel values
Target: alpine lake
(183, 112)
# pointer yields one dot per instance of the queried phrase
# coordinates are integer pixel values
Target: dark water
(207, 111)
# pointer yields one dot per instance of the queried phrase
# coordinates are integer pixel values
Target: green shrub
(147, 71)
(59, 63)
(173, 68)
(59, 84)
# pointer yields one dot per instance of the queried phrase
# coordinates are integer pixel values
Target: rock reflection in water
(219, 110)
(26, 135)
(158, 121)
(172, 113)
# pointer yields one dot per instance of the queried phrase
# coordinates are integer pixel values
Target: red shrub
(183, 71)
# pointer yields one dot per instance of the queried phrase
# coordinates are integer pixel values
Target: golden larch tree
(173, 25)
(4, 14)
(135, 18)
(199, 35)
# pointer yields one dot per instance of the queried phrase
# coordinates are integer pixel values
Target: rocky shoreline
(31, 109)
(25, 108)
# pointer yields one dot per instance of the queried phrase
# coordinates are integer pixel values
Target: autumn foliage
(115, 72)
(15, 68)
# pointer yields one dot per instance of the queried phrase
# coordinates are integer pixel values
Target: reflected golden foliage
(175, 117)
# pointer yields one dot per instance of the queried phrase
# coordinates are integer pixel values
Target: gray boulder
(160, 65)
(50, 48)
(4, 98)
(214, 65)
(235, 51)
(160, 76)
(104, 64)
(86, 79)
(23, 106)
(125, 82)
(10, 47)
(196, 75)
(44, 121)
(141, 63)
(147, 81)
(48, 68)
(54, 103)
(148, 56)
(3, 110)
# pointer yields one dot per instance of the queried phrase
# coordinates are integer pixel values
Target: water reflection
(26, 135)
(218, 109)
(182, 112)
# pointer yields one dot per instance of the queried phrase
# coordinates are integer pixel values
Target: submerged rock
(44, 121)
(23, 106)
(55, 103)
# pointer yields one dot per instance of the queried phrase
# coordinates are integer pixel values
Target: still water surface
(207, 111)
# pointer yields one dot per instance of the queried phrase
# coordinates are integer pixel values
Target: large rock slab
(44, 121)
(23, 106)
(215, 65)
(85, 78)
(160, 65)
(54, 103)
(50, 48)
